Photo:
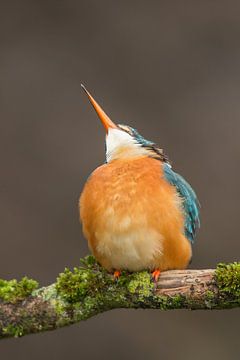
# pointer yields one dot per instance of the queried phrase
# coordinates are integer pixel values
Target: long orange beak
(107, 122)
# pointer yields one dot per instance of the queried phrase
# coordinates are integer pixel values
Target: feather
(191, 204)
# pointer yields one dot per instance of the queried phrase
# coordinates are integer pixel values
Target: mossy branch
(89, 290)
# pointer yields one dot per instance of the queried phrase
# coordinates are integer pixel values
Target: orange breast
(132, 217)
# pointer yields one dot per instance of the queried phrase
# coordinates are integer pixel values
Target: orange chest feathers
(132, 217)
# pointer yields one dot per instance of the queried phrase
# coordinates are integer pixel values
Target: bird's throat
(120, 145)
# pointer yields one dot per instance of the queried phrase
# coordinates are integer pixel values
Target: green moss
(13, 331)
(164, 302)
(74, 286)
(228, 278)
(89, 262)
(13, 290)
(209, 295)
(90, 288)
(140, 284)
(210, 299)
(83, 291)
(60, 308)
(176, 301)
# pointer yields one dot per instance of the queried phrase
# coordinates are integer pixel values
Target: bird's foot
(155, 274)
(117, 274)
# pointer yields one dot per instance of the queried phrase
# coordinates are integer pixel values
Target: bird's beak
(107, 122)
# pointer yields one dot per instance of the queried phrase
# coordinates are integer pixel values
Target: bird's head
(123, 141)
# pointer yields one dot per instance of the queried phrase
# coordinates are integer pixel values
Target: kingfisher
(136, 212)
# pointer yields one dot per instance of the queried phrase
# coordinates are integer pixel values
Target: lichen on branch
(89, 289)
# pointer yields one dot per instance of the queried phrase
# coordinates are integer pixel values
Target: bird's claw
(155, 275)
(116, 274)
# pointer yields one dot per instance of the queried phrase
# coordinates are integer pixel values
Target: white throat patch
(120, 144)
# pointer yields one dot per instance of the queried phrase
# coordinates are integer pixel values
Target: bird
(136, 212)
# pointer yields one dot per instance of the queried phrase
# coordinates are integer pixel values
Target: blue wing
(190, 201)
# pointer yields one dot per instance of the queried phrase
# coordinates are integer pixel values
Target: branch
(89, 290)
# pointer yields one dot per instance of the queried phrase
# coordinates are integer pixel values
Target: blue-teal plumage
(190, 202)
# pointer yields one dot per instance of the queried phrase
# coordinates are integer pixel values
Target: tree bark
(86, 291)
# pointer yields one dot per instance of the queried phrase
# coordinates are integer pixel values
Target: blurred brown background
(172, 70)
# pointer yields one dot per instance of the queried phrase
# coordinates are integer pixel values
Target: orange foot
(117, 274)
(155, 274)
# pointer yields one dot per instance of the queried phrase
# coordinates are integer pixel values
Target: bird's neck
(124, 153)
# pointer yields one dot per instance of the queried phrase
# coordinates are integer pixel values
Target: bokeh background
(172, 70)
